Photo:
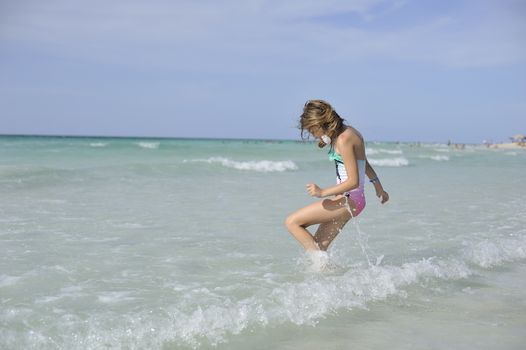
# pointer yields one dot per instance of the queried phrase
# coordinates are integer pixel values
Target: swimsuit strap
(335, 156)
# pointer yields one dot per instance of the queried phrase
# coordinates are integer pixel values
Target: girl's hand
(314, 190)
(384, 196)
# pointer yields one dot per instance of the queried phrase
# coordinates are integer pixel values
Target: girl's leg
(324, 211)
(328, 231)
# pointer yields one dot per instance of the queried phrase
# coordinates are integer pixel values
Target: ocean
(134, 243)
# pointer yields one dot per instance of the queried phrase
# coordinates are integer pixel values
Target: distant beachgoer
(347, 149)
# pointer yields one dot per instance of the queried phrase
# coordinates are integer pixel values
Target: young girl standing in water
(347, 149)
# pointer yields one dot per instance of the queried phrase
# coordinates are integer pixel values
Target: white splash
(317, 261)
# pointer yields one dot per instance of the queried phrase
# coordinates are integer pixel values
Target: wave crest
(392, 162)
(438, 158)
(98, 144)
(487, 254)
(370, 151)
(264, 166)
(149, 145)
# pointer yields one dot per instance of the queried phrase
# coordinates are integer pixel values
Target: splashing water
(362, 238)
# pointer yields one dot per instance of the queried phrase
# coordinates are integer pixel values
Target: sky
(397, 70)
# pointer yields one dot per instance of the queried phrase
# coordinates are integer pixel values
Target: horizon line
(209, 138)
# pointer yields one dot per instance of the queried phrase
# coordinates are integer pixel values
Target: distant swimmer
(347, 199)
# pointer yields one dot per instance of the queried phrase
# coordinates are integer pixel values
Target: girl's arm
(371, 174)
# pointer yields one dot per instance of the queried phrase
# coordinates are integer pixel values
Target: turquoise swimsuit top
(335, 156)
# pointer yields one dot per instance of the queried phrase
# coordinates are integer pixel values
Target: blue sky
(397, 70)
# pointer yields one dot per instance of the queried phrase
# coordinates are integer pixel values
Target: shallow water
(169, 244)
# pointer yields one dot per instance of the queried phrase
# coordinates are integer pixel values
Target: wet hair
(318, 113)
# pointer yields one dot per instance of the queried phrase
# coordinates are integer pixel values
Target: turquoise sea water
(121, 243)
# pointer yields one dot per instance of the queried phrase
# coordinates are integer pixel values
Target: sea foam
(371, 151)
(7, 280)
(439, 157)
(149, 145)
(390, 162)
(259, 166)
(98, 144)
(488, 253)
(300, 303)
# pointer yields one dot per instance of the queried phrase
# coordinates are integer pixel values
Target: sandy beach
(510, 145)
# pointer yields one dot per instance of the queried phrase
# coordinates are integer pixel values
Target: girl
(347, 149)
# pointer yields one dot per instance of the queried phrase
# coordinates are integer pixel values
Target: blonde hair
(318, 113)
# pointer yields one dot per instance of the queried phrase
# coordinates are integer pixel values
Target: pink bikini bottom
(358, 198)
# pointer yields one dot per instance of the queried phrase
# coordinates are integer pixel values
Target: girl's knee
(289, 221)
(292, 221)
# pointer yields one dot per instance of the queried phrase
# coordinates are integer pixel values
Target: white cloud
(207, 33)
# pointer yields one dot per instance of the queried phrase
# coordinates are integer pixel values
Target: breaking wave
(439, 157)
(371, 151)
(300, 303)
(260, 166)
(98, 144)
(488, 253)
(149, 145)
(389, 162)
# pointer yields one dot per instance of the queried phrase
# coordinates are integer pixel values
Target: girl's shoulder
(350, 135)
